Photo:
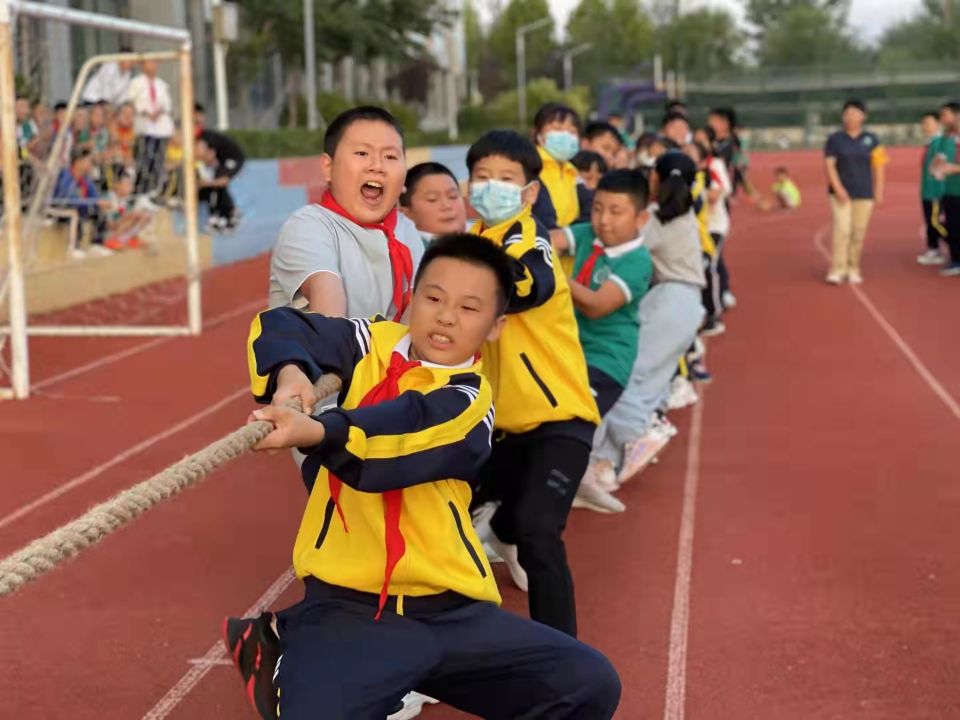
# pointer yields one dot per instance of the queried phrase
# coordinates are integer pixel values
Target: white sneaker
(637, 455)
(662, 425)
(931, 257)
(728, 299)
(100, 251)
(413, 703)
(835, 278)
(855, 278)
(78, 254)
(591, 496)
(682, 393)
(509, 555)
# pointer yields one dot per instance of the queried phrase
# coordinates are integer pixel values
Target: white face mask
(496, 201)
(561, 145)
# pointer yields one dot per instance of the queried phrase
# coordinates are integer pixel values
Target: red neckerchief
(586, 272)
(401, 262)
(386, 389)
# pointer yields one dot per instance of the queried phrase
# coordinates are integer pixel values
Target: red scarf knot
(401, 262)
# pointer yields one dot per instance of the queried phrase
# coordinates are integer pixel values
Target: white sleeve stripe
(623, 286)
(361, 340)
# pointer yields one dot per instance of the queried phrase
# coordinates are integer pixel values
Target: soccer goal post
(12, 287)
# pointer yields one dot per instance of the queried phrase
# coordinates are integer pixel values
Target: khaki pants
(850, 221)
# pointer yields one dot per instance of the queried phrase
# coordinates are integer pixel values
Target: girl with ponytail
(670, 314)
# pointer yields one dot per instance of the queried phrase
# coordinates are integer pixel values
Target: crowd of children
(526, 368)
(122, 157)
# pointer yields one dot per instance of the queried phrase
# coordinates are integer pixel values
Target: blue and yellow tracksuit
(340, 657)
(425, 443)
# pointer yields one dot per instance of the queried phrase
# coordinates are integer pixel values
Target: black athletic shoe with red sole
(255, 649)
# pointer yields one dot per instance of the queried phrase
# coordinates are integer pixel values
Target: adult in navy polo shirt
(855, 168)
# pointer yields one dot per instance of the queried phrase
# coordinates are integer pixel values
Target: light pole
(522, 66)
(310, 58)
(568, 57)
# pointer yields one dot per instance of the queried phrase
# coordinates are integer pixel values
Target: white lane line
(676, 691)
(120, 458)
(141, 347)
(224, 662)
(922, 370)
(176, 694)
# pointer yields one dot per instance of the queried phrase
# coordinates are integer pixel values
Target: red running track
(810, 503)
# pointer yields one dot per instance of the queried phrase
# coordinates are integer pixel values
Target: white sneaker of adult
(855, 278)
(931, 257)
(728, 299)
(413, 703)
(509, 555)
(835, 278)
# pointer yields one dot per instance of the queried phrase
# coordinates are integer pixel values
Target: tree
(808, 36)
(929, 35)
(700, 43)
(368, 29)
(621, 33)
(767, 14)
(540, 43)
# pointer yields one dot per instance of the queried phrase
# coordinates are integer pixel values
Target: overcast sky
(869, 17)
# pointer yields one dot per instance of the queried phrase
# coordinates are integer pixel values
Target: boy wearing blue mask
(556, 130)
(545, 411)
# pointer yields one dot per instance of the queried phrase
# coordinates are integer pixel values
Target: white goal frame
(13, 290)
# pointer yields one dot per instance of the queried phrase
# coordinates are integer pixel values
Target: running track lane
(826, 574)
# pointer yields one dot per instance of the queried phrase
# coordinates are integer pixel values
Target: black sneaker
(255, 649)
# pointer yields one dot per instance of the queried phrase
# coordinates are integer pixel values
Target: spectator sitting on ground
(110, 82)
(173, 169)
(75, 189)
(124, 221)
(43, 117)
(99, 132)
(431, 198)
(785, 190)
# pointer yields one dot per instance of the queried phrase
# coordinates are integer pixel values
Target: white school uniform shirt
(718, 217)
(109, 84)
(146, 102)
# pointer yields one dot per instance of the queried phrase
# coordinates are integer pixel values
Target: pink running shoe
(641, 452)
(592, 496)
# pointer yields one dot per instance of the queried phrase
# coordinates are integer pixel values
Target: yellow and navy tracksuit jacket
(537, 367)
(425, 444)
(560, 178)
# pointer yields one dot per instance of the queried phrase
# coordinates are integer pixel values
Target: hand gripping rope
(46, 553)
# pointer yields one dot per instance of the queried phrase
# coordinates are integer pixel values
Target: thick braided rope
(43, 555)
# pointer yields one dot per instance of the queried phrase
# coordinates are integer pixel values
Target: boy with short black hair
(611, 273)
(353, 253)
(545, 411)
(405, 598)
(591, 166)
(603, 138)
(431, 198)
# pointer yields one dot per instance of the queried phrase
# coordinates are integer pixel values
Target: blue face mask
(561, 145)
(496, 201)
